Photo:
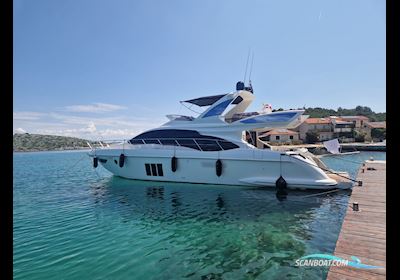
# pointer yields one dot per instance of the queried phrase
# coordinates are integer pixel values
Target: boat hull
(243, 167)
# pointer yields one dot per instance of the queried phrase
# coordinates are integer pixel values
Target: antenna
(251, 66)
(245, 73)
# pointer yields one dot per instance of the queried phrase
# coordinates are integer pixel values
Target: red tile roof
(341, 121)
(376, 124)
(318, 121)
(279, 132)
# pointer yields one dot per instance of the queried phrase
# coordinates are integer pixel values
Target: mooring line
(84, 154)
(330, 191)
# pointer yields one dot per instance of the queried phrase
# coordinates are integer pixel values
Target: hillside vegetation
(318, 112)
(37, 142)
(358, 111)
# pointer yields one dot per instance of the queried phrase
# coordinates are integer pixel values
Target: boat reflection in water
(213, 231)
(202, 198)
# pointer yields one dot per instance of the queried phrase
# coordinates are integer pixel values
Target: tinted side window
(228, 145)
(148, 171)
(171, 142)
(208, 145)
(153, 169)
(136, 141)
(159, 169)
(169, 133)
(174, 137)
(151, 141)
(188, 143)
(237, 100)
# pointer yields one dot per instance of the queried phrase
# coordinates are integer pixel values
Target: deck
(346, 147)
(363, 232)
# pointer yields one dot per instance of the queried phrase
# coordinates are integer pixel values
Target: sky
(101, 69)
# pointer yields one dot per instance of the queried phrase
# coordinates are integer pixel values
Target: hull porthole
(95, 162)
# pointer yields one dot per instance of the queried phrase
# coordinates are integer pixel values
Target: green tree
(311, 137)
(360, 136)
(319, 112)
(378, 133)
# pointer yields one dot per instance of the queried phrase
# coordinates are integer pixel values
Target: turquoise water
(73, 222)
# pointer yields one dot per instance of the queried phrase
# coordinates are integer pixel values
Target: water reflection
(281, 194)
(155, 192)
(175, 200)
(222, 231)
(190, 200)
(220, 202)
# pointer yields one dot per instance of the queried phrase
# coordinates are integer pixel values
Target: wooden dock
(363, 232)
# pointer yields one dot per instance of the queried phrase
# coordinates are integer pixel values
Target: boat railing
(104, 143)
(198, 143)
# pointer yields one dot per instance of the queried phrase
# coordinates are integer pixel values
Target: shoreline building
(279, 136)
(321, 126)
(376, 131)
(345, 128)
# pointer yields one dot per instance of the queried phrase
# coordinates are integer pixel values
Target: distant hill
(37, 142)
(318, 112)
(358, 111)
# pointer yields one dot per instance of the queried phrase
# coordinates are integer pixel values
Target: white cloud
(91, 128)
(27, 115)
(119, 121)
(94, 108)
(94, 128)
(115, 134)
(19, 131)
(104, 134)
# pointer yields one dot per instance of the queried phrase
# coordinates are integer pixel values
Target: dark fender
(121, 160)
(218, 167)
(174, 164)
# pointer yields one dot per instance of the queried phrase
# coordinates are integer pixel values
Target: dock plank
(363, 233)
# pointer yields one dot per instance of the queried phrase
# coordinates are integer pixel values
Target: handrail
(197, 144)
(182, 138)
(221, 146)
(216, 141)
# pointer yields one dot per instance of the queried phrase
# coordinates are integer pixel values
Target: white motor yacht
(210, 149)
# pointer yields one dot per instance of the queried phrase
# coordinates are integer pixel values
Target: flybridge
(222, 106)
(225, 115)
(230, 109)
